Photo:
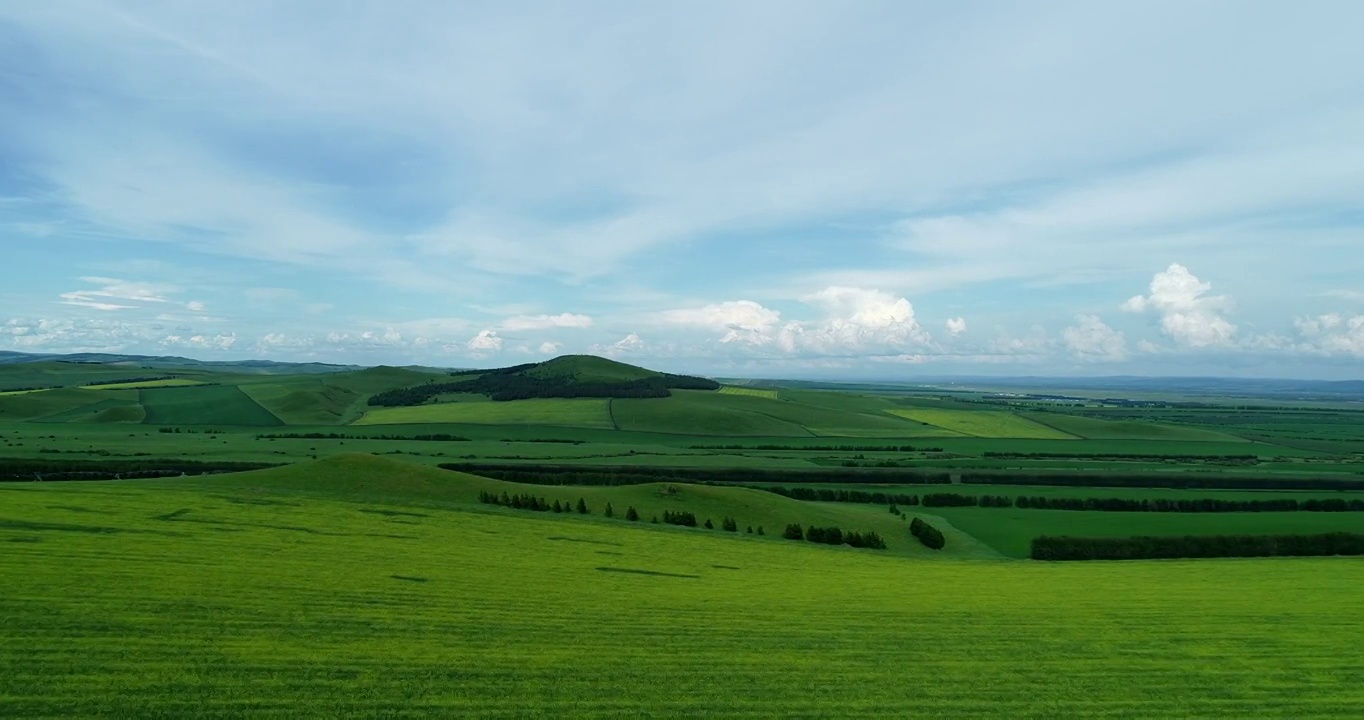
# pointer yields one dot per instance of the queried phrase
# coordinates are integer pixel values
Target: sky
(883, 190)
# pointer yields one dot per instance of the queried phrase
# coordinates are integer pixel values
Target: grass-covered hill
(368, 478)
(570, 376)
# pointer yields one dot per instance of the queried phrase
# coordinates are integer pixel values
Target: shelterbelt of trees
(1196, 546)
(502, 385)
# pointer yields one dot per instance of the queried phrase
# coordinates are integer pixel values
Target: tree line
(21, 469)
(822, 448)
(508, 386)
(931, 537)
(433, 437)
(847, 496)
(558, 474)
(1195, 546)
(1166, 480)
(834, 536)
(1106, 504)
(1151, 457)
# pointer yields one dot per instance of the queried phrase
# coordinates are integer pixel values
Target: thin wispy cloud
(778, 186)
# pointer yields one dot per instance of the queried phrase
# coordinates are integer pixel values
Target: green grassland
(357, 588)
(588, 412)
(1100, 429)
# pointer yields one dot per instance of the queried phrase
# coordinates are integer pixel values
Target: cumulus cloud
(956, 326)
(1091, 339)
(1332, 334)
(545, 322)
(486, 341)
(64, 335)
(740, 320)
(549, 348)
(858, 319)
(200, 342)
(1188, 315)
(195, 306)
(631, 343)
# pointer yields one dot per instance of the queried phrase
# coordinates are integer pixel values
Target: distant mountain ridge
(8, 357)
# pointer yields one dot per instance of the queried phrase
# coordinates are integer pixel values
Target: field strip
(766, 393)
(982, 423)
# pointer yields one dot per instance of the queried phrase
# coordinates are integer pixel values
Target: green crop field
(981, 423)
(591, 412)
(204, 405)
(355, 587)
(169, 382)
(1099, 429)
(767, 393)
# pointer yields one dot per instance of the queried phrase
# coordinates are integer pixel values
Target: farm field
(306, 592)
(204, 405)
(169, 382)
(982, 423)
(591, 413)
(767, 393)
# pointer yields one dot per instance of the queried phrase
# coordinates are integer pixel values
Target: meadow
(356, 587)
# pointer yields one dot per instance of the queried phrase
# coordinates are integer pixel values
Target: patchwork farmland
(390, 502)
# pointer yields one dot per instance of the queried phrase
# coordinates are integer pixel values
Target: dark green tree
(709, 525)
(609, 512)
(729, 524)
(631, 514)
(557, 507)
(794, 532)
(582, 507)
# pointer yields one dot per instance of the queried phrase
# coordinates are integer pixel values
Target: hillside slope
(370, 478)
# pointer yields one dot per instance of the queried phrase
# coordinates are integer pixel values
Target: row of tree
(1107, 504)
(823, 448)
(432, 437)
(931, 537)
(834, 536)
(559, 474)
(1164, 480)
(1149, 457)
(507, 386)
(20, 469)
(1195, 546)
(526, 501)
(848, 496)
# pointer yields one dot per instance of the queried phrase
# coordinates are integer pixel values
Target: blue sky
(866, 189)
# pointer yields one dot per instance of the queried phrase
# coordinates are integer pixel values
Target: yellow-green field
(352, 596)
(169, 382)
(8, 393)
(982, 423)
(768, 393)
(590, 412)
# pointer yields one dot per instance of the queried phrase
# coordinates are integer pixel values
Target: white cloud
(1188, 315)
(956, 326)
(486, 341)
(857, 319)
(742, 321)
(112, 294)
(195, 306)
(1332, 334)
(549, 348)
(1091, 339)
(545, 322)
(630, 344)
(200, 342)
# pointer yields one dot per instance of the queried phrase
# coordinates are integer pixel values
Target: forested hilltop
(570, 376)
